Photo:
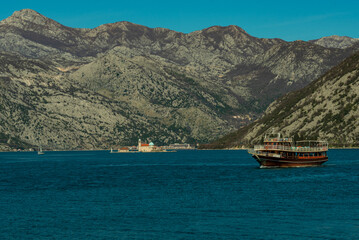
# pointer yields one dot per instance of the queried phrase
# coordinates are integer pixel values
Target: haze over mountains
(69, 88)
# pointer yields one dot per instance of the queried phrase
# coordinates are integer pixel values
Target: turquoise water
(179, 195)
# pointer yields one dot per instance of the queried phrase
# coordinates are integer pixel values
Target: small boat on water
(40, 151)
(278, 151)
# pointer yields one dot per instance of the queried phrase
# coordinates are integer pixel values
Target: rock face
(96, 88)
(325, 109)
(46, 108)
(336, 42)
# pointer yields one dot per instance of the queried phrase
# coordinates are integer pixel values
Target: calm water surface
(181, 195)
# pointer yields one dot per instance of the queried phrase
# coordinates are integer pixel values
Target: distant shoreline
(343, 147)
(77, 150)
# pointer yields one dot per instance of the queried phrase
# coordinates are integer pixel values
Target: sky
(288, 20)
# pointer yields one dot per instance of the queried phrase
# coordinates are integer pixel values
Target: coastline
(79, 150)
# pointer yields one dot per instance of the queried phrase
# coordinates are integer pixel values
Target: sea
(193, 194)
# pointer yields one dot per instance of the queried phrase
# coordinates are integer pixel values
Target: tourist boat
(278, 151)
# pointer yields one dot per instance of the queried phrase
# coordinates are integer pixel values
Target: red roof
(145, 144)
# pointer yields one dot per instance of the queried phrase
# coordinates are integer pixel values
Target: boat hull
(272, 162)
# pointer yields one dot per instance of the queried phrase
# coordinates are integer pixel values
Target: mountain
(336, 42)
(227, 56)
(94, 88)
(326, 109)
(47, 109)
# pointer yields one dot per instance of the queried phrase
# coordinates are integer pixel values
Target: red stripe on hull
(265, 161)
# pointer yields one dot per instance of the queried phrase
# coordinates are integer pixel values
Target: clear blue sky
(289, 20)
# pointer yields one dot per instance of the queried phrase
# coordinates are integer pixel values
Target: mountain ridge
(336, 41)
(151, 83)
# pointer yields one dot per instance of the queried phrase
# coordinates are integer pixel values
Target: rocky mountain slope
(336, 42)
(59, 114)
(227, 56)
(326, 109)
(93, 88)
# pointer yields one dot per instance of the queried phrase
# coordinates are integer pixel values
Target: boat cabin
(278, 146)
(273, 141)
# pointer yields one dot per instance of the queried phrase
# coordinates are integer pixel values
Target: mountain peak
(235, 28)
(26, 15)
(26, 11)
(232, 28)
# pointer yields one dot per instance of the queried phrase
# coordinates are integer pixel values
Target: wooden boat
(278, 151)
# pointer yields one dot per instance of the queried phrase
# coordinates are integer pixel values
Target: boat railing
(268, 154)
(276, 139)
(290, 148)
